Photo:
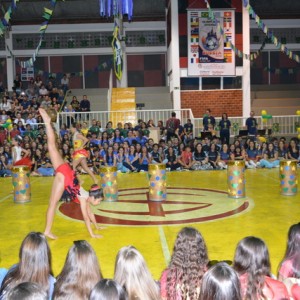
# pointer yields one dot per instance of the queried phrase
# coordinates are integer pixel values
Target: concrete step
(276, 111)
(275, 94)
(152, 98)
(277, 102)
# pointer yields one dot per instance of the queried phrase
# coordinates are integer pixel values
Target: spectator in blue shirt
(251, 124)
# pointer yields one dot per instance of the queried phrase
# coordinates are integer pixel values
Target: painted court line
(164, 245)
(269, 176)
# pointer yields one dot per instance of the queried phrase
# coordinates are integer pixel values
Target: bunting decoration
(115, 8)
(7, 16)
(117, 53)
(47, 16)
(283, 71)
(261, 25)
(227, 40)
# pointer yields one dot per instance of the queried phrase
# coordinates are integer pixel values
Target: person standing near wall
(208, 120)
(225, 129)
(251, 124)
(172, 125)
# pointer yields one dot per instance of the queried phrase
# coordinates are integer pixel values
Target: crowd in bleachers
(126, 146)
(130, 149)
(190, 275)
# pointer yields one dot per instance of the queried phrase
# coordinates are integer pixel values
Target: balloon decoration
(262, 139)
(263, 112)
(265, 116)
(7, 124)
(275, 127)
(298, 112)
(235, 128)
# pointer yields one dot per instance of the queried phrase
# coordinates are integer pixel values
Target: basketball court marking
(164, 245)
(183, 206)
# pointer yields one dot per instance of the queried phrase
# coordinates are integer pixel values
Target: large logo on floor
(183, 205)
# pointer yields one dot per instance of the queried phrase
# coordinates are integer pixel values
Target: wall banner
(208, 52)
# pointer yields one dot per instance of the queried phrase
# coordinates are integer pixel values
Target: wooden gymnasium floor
(195, 198)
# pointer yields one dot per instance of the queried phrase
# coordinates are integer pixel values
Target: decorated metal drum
(109, 183)
(21, 184)
(157, 182)
(236, 179)
(288, 177)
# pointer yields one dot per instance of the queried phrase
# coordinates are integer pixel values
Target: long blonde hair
(132, 273)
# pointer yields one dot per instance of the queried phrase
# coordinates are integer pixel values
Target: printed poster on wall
(208, 53)
(27, 74)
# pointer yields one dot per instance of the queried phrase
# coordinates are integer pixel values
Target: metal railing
(125, 116)
(280, 125)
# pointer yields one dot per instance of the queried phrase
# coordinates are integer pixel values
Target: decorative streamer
(261, 25)
(47, 16)
(117, 51)
(237, 52)
(7, 16)
(110, 8)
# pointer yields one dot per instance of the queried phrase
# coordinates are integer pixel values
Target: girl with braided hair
(182, 279)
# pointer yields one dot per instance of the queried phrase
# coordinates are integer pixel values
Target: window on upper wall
(189, 83)
(211, 83)
(232, 83)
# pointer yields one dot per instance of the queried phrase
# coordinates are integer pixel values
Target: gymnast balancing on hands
(66, 186)
(80, 155)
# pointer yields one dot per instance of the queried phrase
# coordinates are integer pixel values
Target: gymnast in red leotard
(66, 185)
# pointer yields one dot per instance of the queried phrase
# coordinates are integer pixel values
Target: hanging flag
(110, 8)
(117, 53)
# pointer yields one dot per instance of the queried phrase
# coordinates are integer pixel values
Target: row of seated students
(189, 275)
(134, 154)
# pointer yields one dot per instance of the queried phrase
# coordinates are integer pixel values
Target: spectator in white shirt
(43, 91)
(19, 119)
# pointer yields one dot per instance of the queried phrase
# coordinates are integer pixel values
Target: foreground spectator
(108, 289)
(27, 291)
(220, 282)
(80, 273)
(34, 265)
(132, 273)
(290, 265)
(252, 263)
(182, 279)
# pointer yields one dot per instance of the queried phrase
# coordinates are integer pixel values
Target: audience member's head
(27, 291)
(187, 266)
(220, 282)
(34, 264)
(292, 252)
(80, 273)
(107, 289)
(132, 273)
(252, 259)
